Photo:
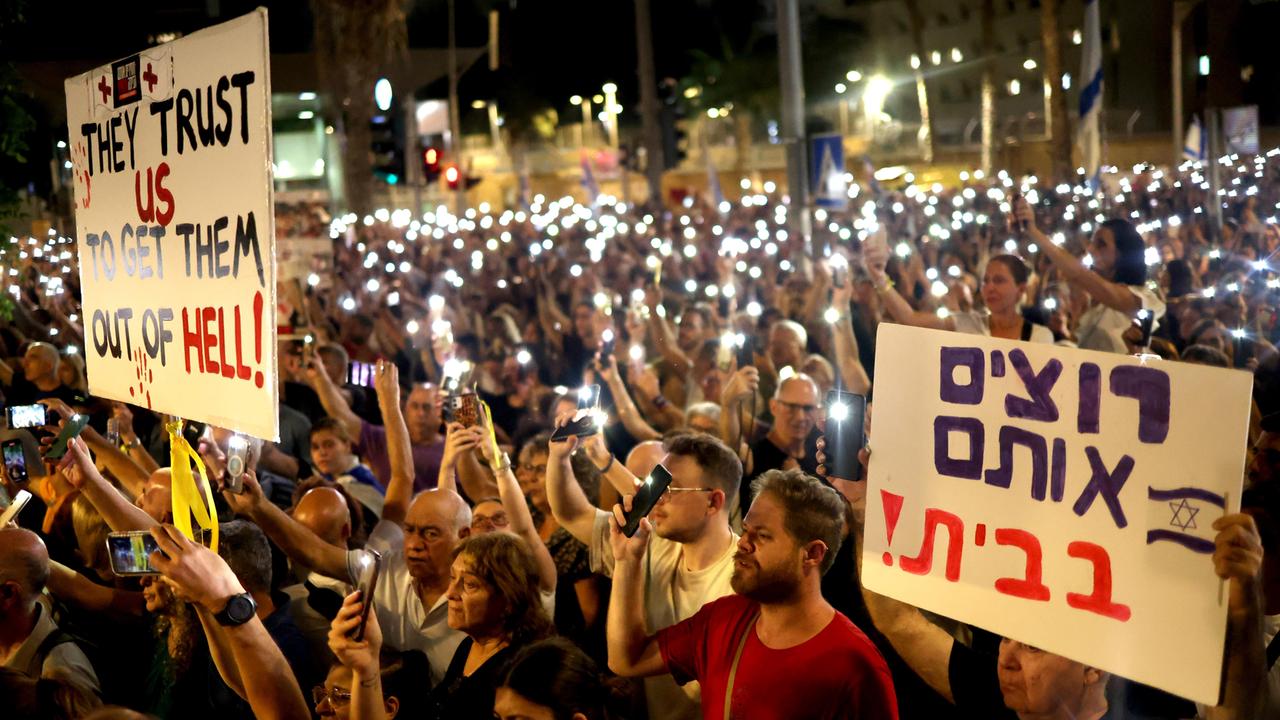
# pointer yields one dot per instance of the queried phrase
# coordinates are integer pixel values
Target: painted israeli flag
(1184, 516)
(1195, 148)
(1090, 135)
(589, 181)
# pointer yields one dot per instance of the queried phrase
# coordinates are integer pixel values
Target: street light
(841, 87)
(873, 97)
(1029, 64)
(585, 130)
(611, 110)
(853, 76)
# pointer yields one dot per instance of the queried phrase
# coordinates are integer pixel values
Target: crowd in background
(714, 330)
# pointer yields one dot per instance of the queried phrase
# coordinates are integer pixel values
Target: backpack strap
(51, 641)
(733, 669)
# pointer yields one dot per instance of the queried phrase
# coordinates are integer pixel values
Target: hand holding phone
(71, 429)
(130, 552)
(15, 461)
(844, 433)
(11, 513)
(367, 583)
(651, 490)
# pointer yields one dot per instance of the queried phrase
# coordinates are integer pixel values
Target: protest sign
(171, 152)
(1059, 497)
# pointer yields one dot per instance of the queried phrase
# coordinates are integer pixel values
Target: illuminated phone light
(786, 373)
(838, 412)
(435, 303)
(523, 357)
(348, 304)
(753, 309)
(1238, 333)
(1233, 287)
(832, 316)
(607, 335)
(636, 353)
(938, 288)
(1209, 292)
(412, 327)
(943, 313)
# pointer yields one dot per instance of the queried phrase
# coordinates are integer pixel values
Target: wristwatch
(240, 609)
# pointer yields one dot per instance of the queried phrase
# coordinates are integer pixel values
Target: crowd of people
(506, 586)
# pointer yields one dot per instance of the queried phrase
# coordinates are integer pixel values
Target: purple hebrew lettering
(1090, 398)
(1058, 470)
(1039, 385)
(955, 357)
(1003, 476)
(1031, 585)
(923, 563)
(997, 363)
(1108, 484)
(969, 468)
(1150, 387)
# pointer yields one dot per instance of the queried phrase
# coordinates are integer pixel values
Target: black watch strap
(239, 610)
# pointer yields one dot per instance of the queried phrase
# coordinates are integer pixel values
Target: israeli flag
(1184, 516)
(589, 181)
(1196, 146)
(1090, 134)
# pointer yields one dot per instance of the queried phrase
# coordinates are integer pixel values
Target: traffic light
(386, 146)
(675, 141)
(452, 177)
(431, 164)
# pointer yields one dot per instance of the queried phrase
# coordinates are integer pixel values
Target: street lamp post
(611, 112)
(585, 130)
(842, 105)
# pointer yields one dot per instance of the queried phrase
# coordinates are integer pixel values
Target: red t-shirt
(835, 674)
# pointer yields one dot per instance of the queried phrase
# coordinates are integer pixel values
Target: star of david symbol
(1184, 516)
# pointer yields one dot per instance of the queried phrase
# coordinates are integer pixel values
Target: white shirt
(672, 594)
(979, 323)
(64, 661)
(1102, 328)
(405, 623)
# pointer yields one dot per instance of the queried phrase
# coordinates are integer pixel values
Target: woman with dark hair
(493, 598)
(1004, 285)
(1116, 281)
(554, 680)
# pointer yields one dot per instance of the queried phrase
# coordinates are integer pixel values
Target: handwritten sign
(1059, 497)
(172, 164)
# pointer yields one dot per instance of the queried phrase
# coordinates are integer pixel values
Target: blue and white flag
(589, 181)
(1090, 134)
(1196, 146)
(1184, 516)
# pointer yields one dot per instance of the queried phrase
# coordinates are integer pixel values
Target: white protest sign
(1059, 497)
(172, 163)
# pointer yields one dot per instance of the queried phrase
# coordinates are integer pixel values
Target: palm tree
(1055, 99)
(354, 38)
(922, 90)
(988, 85)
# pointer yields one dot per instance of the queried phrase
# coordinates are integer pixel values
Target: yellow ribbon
(493, 437)
(185, 492)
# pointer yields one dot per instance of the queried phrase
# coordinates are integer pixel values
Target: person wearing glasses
(401, 676)
(792, 441)
(690, 559)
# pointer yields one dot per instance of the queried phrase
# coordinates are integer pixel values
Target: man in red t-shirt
(776, 648)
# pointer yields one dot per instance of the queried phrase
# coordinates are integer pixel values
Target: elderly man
(30, 641)
(36, 378)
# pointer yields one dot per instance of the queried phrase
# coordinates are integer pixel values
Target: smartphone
(585, 423)
(71, 430)
(464, 409)
(237, 462)
(361, 373)
(15, 461)
(589, 397)
(606, 349)
(192, 431)
(725, 353)
(26, 416)
(113, 432)
(846, 412)
(11, 513)
(746, 351)
(130, 552)
(367, 583)
(651, 490)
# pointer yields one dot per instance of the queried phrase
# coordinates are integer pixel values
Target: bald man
(792, 442)
(30, 641)
(410, 597)
(156, 498)
(314, 602)
(36, 378)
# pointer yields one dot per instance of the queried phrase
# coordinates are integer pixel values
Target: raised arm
(663, 337)
(331, 398)
(457, 441)
(399, 450)
(521, 520)
(612, 469)
(269, 684)
(632, 651)
(848, 363)
(1237, 558)
(77, 590)
(295, 539)
(742, 386)
(623, 405)
(120, 514)
(1112, 294)
(569, 504)
(875, 256)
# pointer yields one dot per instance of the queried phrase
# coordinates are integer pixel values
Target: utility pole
(455, 124)
(792, 135)
(650, 131)
(1181, 9)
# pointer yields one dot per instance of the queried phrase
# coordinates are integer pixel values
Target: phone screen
(15, 461)
(368, 583)
(588, 397)
(361, 373)
(130, 553)
(26, 416)
(844, 433)
(651, 490)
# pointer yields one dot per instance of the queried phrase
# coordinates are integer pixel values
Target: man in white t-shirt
(690, 559)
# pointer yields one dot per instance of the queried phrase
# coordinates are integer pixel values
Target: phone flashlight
(523, 357)
(237, 457)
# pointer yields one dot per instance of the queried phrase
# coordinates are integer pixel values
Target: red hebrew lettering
(922, 564)
(1098, 601)
(1031, 585)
